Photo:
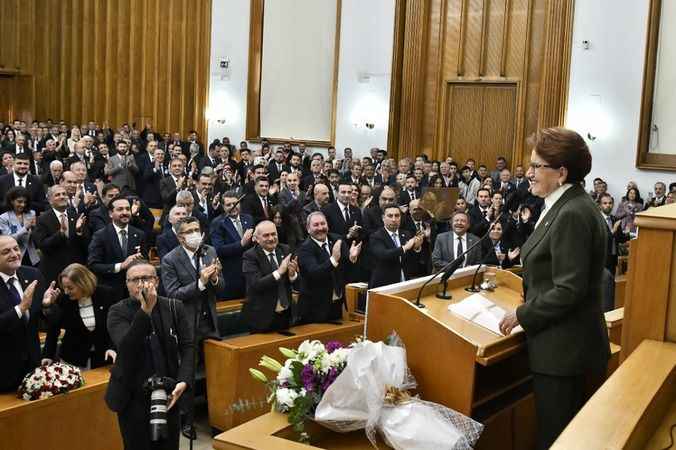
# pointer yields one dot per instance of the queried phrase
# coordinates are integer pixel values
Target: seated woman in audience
(461, 205)
(289, 230)
(8, 139)
(354, 196)
(498, 251)
(627, 209)
(7, 163)
(18, 222)
(81, 310)
(437, 182)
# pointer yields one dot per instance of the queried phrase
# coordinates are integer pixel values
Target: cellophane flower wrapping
(49, 380)
(356, 400)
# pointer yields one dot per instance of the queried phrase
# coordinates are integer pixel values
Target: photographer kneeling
(154, 362)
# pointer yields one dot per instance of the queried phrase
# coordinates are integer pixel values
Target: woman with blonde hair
(80, 307)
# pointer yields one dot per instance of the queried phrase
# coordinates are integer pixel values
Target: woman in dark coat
(563, 262)
(81, 310)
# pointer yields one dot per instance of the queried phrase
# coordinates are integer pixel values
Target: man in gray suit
(122, 168)
(453, 243)
(192, 274)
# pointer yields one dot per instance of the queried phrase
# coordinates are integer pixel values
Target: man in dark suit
(395, 254)
(167, 240)
(99, 217)
(19, 315)
(291, 197)
(22, 177)
(258, 203)
(277, 166)
(151, 170)
(373, 216)
(205, 200)
(480, 215)
(231, 235)
(315, 176)
(451, 244)
(62, 237)
(211, 159)
(410, 192)
(343, 219)
(114, 247)
(169, 185)
(323, 262)
(153, 338)
(53, 176)
(504, 183)
(270, 271)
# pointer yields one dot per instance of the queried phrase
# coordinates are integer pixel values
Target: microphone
(454, 265)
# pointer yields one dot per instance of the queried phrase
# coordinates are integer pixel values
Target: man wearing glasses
(153, 339)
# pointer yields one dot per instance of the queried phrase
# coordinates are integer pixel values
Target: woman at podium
(563, 263)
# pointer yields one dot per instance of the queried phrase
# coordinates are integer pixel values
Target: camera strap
(157, 350)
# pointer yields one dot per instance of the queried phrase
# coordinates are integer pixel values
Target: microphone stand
(453, 265)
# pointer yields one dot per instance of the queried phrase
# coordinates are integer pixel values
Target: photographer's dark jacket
(129, 327)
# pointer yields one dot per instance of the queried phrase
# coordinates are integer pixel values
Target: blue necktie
(13, 293)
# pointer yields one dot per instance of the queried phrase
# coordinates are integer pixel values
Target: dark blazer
(78, 340)
(148, 181)
(273, 172)
(228, 245)
(128, 327)
(33, 185)
(319, 279)
(614, 239)
(19, 343)
(166, 242)
(262, 288)
(105, 252)
(336, 220)
(58, 251)
(405, 196)
(251, 205)
(180, 281)
(563, 264)
(373, 219)
(388, 261)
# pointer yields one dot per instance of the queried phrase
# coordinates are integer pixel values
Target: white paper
(478, 309)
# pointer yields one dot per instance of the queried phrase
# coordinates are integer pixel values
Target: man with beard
(114, 247)
(451, 244)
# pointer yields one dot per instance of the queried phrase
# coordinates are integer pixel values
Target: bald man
(269, 270)
(19, 315)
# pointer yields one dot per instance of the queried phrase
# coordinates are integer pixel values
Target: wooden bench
(79, 420)
(620, 288)
(234, 397)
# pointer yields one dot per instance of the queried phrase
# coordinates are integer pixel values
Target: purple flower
(330, 378)
(307, 375)
(332, 346)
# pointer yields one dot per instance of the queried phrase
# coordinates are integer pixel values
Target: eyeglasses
(536, 166)
(138, 280)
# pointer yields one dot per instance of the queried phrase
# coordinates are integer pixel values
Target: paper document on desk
(478, 309)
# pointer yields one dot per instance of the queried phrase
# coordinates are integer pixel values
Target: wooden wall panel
(111, 61)
(488, 41)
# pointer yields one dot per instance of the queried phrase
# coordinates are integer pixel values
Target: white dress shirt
(551, 199)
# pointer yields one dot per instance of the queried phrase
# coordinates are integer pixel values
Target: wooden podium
(636, 407)
(458, 363)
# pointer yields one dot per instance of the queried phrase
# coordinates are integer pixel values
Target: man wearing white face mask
(192, 274)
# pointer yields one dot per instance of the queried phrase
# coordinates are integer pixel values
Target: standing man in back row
(323, 261)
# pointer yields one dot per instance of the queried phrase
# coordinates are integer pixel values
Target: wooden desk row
(79, 420)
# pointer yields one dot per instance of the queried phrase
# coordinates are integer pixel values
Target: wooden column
(395, 79)
(556, 63)
(413, 79)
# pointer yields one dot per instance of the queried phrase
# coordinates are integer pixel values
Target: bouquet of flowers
(46, 381)
(302, 380)
(363, 386)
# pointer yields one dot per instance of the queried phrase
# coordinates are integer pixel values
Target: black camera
(159, 389)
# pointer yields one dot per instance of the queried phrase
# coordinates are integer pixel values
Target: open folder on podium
(479, 310)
